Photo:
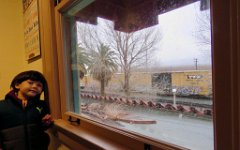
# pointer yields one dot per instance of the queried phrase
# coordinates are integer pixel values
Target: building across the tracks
(186, 83)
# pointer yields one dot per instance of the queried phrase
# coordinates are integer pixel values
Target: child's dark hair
(29, 75)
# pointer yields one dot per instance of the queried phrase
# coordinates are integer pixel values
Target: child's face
(29, 89)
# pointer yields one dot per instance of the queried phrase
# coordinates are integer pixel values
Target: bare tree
(132, 49)
(203, 34)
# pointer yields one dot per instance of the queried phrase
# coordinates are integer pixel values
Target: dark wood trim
(226, 61)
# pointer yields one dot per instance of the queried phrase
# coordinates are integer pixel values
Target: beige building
(186, 82)
(192, 82)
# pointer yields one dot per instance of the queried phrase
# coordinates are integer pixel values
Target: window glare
(144, 70)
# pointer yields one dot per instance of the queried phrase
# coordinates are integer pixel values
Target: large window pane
(142, 66)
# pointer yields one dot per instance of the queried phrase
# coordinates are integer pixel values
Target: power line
(196, 63)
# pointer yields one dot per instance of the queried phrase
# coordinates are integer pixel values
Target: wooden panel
(134, 140)
(226, 72)
(128, 15)
(48, 46)
(226, 85)
(88, 139)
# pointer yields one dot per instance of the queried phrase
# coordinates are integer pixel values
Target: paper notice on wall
(31, 29)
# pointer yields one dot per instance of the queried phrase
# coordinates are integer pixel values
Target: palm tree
(103, 65)
(82, 60)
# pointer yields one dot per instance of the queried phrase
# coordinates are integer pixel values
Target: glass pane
(143, 66)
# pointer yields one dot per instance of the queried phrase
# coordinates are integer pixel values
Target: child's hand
(47, 120)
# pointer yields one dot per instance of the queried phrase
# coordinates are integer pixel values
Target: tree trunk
(126, 83)
(102, 88)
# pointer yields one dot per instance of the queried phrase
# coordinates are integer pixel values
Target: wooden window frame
(226, 81)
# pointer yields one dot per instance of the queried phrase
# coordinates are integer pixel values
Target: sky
(179, 46)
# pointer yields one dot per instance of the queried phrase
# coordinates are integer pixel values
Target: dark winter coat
(22, 128)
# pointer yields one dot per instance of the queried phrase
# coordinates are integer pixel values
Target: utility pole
(196, 63)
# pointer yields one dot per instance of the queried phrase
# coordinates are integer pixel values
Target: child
(23, 116)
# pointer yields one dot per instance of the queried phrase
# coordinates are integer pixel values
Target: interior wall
(12, 58)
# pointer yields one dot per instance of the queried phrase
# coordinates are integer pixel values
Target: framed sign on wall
(31, 29)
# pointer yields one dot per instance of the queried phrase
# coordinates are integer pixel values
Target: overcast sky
(179, 46)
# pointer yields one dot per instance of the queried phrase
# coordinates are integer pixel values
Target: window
(144, 67)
